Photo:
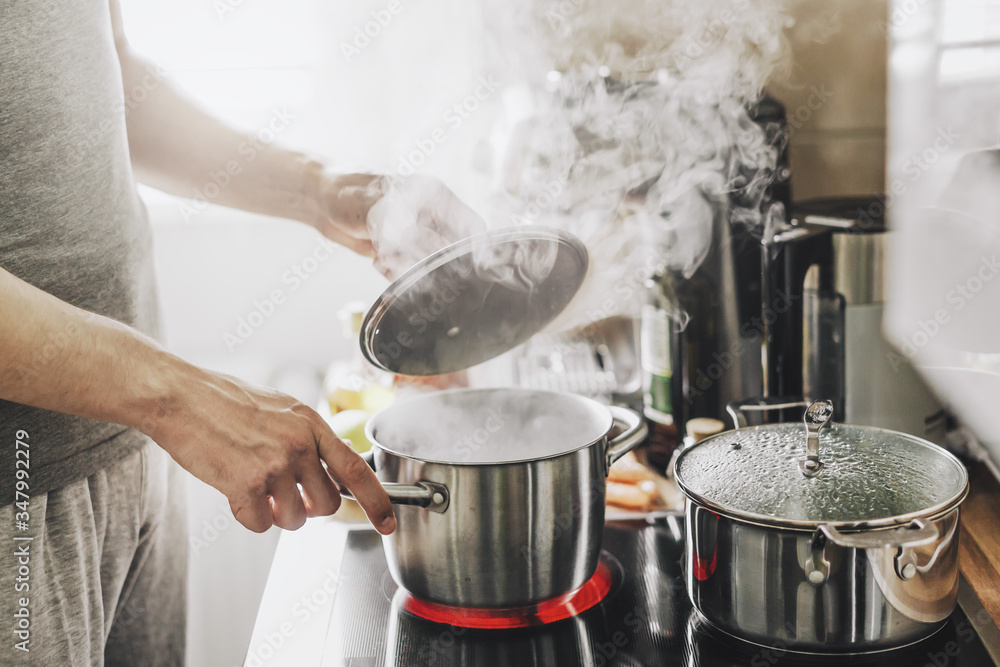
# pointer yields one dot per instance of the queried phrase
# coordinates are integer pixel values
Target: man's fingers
(319, 493)
(348, 468)
(361, 246)
(286, 504)
(254, 513)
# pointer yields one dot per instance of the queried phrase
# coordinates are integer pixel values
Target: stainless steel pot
(500, 492)
(842, 542)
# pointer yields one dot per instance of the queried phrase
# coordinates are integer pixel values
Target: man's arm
(176, 147)
(253, 444)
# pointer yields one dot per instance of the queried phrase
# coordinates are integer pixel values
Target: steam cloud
(626, 123)
(642, 131)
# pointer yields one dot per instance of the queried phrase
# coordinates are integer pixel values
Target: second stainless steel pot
(845, 542)
(500, 492)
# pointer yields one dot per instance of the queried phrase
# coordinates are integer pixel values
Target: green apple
(350, 425)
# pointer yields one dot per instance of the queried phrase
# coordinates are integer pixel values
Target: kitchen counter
(295, 609)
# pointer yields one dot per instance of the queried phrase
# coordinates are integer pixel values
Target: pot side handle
(917, 533)
(429, 495)
(635, 432)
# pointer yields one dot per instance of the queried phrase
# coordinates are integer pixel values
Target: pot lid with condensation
(868, 477)
(473, 300)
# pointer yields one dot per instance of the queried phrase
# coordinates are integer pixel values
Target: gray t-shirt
(71, 222)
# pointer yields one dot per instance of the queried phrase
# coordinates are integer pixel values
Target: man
(93, 564)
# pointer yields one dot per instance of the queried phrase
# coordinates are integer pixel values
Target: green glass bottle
(655, 332)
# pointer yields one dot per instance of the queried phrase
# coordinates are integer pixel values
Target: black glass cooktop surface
(646, 619)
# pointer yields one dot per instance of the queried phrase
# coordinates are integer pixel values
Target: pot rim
(590, 404)
(895, 521)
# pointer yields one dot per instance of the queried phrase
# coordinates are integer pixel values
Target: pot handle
(736, 409)
(635, 432)
(918, 533)
(429, 495)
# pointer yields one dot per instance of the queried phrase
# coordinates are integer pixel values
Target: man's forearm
(61, 358)
(178, 148)
(259, 447)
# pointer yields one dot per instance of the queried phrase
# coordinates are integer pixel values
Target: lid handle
(818, 415)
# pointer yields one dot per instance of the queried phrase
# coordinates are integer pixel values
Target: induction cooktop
(643, 618)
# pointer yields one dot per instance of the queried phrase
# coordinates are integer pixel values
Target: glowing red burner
(549, 611)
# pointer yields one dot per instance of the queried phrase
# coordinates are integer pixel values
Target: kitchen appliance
(502, 491)
(794, 311)
(829, 540)
(500, 501)
(716, 357)
(824, 296)
(646, 618)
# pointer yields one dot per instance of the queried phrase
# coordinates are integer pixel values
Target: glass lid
(861, 475)
(473, 300)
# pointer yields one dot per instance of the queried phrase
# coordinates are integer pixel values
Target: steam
(626, 123)
(641, 133)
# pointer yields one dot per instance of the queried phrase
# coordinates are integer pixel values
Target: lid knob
(817, 415)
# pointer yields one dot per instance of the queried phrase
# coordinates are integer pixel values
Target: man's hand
(263, 450)
(396, 221)
(178, 148)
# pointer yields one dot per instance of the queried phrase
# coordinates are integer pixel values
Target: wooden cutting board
(979, 540)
